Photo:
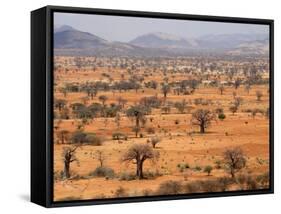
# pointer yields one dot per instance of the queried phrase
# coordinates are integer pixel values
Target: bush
(193, 187)
(119, 136)
(150, 130)
(154, 141)
(221, 116)
(251, 183)
(197, 168)
(125, 176)
(58, 175)
(212, 186)
(246, 182)
(94, 140)
(218, 164)
(121, 192)
(147, 192)
(169, 188)
(103, 172)
(216, 185)
(152, 174)
(183, 166)
(80, 137)
(263, 180)
(208, 169)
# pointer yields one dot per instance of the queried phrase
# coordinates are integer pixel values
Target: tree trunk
(137, 126)
(202, 128)
(139, 173)
(232, 173)
(66, 169)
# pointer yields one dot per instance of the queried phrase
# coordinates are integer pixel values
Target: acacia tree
(137, 154)
(68, 155)
(235, 160)
(136, 113)
(202, 118)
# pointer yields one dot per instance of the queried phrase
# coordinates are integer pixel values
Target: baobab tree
(202, 118)
(136, 113)
(137, 154)
(68, 156)
(234, 160)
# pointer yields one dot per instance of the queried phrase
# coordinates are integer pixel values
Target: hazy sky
(124, 29)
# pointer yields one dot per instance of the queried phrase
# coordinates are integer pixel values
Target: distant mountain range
(69, 41)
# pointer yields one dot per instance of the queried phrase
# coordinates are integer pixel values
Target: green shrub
(221, 116)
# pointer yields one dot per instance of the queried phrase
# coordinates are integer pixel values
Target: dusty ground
(181, 143)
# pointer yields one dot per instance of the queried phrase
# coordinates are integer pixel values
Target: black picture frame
(42, 102)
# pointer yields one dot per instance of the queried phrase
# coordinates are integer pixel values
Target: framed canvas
(134, 106)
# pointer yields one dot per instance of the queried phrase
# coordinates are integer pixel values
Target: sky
(124, 29)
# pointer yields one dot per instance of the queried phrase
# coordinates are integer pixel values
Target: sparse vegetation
(149, 126)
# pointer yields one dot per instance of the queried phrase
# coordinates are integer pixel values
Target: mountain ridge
(68, 40)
